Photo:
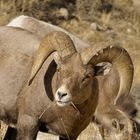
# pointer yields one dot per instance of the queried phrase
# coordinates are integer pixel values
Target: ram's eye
(88, 76)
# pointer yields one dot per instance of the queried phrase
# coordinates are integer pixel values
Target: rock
(93, 26)
(64, 13)
(45, 136)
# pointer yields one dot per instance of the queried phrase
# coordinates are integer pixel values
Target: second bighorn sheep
(62, 95)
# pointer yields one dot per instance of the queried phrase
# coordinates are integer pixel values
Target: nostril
(61, 95)
(64, 94)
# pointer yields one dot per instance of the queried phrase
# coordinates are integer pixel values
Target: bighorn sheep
(61, 97)
(108, 84)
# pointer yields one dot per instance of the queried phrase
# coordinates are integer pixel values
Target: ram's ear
(102, 69)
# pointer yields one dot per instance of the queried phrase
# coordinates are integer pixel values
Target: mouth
(62, 103)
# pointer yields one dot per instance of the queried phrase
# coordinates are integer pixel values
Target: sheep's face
(74, 81)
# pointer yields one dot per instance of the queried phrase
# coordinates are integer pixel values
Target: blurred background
(110, 21)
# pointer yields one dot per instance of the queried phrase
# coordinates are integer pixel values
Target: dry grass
(120, 26)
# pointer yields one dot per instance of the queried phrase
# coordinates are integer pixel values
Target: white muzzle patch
(63, 96)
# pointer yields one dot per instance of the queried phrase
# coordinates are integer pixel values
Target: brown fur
(75, 120)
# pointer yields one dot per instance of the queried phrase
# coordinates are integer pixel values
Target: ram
(110, 101)
(61, 95)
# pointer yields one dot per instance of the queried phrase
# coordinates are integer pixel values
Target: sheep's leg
(27, 127)
(11, 134)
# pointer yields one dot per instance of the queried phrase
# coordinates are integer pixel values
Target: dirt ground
(112, 21)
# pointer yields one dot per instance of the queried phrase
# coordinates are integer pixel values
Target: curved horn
(117, 56)
(54, 41)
